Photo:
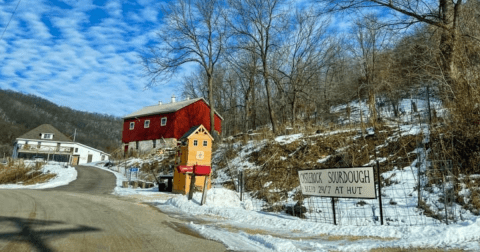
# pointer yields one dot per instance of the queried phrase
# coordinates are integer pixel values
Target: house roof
(193, 130)
(45, 128)
(165, 108)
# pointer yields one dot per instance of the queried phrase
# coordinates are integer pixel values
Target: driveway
(84, 216)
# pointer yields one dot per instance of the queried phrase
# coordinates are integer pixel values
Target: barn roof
(45, 128)
(165, 108)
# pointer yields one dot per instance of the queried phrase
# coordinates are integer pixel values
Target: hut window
(146, 124)
(76, 150)
(205, 143)
(195, 142)
(132, 125)
(164, 121)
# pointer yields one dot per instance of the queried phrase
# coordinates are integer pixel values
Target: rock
(298, 210)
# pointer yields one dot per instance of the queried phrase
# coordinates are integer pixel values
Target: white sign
(357, 182)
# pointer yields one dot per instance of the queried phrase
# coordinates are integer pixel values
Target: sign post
(354, 182)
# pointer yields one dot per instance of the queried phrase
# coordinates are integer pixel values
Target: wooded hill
(20, 113)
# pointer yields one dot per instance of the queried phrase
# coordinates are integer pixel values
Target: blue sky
(82, 53)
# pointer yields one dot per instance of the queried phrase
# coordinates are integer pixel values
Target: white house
(48, 143)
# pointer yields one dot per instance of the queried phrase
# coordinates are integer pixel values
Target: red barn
(161, 125)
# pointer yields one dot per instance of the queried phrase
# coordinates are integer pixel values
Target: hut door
(89, 158)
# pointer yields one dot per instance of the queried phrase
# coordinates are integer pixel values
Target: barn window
(164, 121)
(132, 125)
(146, 124)
(195, 142)
(205, 143)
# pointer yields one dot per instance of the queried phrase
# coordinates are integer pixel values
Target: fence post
(242, 183)
(444, 197)
(333, 210)
(379, 193)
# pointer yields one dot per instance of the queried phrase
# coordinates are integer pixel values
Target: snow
(288, 138)
(64, 177)
(234, 223)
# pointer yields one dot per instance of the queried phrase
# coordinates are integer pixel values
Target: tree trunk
(449, 14)
(210, 100)
(269, 97)
(371, 104)
(294, 104)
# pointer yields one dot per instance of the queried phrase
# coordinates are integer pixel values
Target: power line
(10, 19)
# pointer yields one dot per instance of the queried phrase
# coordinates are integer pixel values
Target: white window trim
(161, 121)
(205, 143)
(132, 125)
(145, 124)
(195, 142)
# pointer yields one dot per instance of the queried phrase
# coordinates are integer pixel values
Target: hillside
(21, 112)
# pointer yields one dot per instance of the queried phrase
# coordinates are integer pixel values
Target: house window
(132, 125)
(205, 143)
(47, 136)
(76, 150)
(164, 121)
(136, 145)
(154, 143)
(195, 142)
(146, 124)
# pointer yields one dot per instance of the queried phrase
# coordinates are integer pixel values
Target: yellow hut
(195, 153)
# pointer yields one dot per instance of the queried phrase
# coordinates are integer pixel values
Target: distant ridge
(20, 113)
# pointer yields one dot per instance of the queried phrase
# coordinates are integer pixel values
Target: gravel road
(84, 216)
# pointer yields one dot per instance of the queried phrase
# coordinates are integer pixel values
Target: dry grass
(280, 163)
(17, 171)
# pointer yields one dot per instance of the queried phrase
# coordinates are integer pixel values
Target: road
(84, 216)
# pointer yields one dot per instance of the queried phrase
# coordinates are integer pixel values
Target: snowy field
(226, 219)
(64, 177)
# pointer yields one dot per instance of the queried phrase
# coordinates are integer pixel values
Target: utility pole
(74, 135)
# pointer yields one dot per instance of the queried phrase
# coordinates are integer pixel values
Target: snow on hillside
(240, 225)
(65, 175)
(406, 110)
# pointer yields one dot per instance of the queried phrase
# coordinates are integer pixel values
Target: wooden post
(380, 193)
(192, 186)
(204, 194)
(135, 184)
(333, 210)
(242, 183)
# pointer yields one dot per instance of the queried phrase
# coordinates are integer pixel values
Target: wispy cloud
(81, 54)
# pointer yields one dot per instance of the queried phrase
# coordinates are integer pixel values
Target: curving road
(83, 216)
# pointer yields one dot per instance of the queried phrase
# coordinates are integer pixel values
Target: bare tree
(259, 23)
(370, 39)
(305, 52)
(443, 14)
(193, 31)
